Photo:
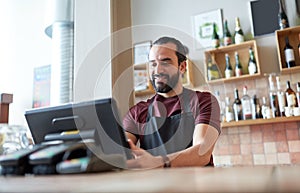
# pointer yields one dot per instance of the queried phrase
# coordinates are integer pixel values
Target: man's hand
(143, 159)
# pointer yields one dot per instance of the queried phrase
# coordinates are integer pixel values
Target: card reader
(17, 163)
(45, 160)
(94, 161)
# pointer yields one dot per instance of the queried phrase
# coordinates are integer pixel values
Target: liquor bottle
(238, 66)
(228, 68)
(265, 109)
(238, 33)
(282, 17)
(298, 94)
(228, 110)
(212, 69)
(252, 66)
(237, 106)
(222, 106)
(289, 54)
(273, 97)
(256, 110)
(246, 104)
(290, 95)
(280, 97)
(215, 37)
(227, 38)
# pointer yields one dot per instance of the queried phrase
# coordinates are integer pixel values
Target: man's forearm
(190, 157)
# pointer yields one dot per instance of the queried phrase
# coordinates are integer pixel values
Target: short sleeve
(129, 124)
(208, 110)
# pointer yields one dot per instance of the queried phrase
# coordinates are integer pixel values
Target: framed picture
(203, 27)
(141, 51)
(141, 80)
(41, 86)
(264, 22)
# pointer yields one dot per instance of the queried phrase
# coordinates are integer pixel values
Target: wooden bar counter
(283, 178)
(260, 121)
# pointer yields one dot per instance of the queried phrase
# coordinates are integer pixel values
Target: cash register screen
(98, 116)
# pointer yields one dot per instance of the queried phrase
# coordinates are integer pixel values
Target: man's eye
(152, 64)
(165, 63)
(162, 63)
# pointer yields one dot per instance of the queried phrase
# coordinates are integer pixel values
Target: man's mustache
(160, 75)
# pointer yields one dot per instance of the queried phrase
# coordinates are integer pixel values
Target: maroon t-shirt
(203, 105)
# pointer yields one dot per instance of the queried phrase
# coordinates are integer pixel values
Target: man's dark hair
(181, 51)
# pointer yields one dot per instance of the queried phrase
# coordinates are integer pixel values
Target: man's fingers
(132, 145)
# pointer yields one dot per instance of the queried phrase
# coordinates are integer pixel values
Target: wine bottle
(228, 68)
(227, 39)
(289, 54)
(256, 110)
(215, 69)
(246, 105)
(209, 70)
(290, 95)
(280, 97)
(237, 106)
(299, 45)
(215, 37)
(238, 33)
(252, 66)
(298, 94)
(212, 69)
(238, 65)
(273, 97)
(282, 17)
(228, 110)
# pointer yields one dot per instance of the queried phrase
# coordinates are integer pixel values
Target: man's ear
(182, 67)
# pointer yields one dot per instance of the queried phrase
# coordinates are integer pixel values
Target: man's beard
(168, 86)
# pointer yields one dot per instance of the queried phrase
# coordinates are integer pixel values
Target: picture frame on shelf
(141, 80)
(141, 51)
(203, 27)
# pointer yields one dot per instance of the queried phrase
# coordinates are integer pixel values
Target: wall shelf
(219, 56)
(144, 92)
(233, 79)
(290, 70)
(260, 121)
(293, 35)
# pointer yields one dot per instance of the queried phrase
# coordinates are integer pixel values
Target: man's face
(163, 67)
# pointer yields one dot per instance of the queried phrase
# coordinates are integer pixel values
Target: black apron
(164, 135)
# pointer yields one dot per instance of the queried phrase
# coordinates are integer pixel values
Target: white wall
(23, 46)
(92, 50)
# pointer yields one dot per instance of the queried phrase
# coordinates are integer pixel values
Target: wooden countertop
(193, 179)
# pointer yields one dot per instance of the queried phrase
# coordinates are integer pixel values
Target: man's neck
(175, 92)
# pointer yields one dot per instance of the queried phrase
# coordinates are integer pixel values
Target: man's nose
(159, 68)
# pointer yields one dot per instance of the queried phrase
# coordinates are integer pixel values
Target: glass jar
(13, 138)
